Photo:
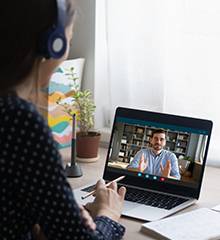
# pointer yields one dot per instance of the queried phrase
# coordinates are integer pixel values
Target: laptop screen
(158, 151)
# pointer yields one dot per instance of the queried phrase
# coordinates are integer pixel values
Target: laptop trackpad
(129, 205)
(144, 212)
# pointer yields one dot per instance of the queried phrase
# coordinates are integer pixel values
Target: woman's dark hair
(21, 25)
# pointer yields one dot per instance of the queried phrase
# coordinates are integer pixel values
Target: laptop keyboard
(149, 198)
(153, 199)
(88, 189)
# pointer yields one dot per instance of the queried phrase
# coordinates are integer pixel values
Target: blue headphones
(53, 42)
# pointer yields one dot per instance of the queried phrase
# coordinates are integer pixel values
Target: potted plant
(87, 140)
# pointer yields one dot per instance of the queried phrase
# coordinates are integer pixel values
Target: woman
(35, 38)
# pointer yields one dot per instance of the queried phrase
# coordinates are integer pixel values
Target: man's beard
(157, 147)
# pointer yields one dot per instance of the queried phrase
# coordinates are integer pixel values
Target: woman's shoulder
(16, 107)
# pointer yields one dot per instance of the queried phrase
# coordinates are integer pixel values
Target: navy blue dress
(33, 186)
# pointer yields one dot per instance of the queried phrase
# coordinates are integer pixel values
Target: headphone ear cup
(53, 44)
(56, 44)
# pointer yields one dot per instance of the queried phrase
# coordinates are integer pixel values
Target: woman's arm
(51, 200)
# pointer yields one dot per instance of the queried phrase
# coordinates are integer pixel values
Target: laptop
(152, 194)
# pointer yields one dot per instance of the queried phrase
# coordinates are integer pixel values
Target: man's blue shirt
(154, 162)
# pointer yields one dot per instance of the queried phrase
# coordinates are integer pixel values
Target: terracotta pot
(87, 145)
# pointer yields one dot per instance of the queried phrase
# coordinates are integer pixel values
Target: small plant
(187, 158)
(86, 107)
(82, 104)
(71, 75)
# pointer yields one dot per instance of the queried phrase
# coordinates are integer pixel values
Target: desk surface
(209, 197)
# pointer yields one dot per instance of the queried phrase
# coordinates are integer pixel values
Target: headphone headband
(61, 13)
(53, 42)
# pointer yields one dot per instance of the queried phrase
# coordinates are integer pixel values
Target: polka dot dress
(33, 186)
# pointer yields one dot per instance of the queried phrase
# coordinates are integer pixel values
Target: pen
(107, 185)
(73, 152)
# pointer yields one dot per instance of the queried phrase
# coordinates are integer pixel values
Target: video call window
(133, 149)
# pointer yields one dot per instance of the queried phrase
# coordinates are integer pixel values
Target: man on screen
(156, 160)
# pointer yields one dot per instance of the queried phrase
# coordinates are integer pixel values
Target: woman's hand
(108, 201)
(38, 233)
(87, 219)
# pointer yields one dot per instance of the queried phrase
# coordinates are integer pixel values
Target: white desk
(210, 193)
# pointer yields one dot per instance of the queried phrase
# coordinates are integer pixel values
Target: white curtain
(135, 66)
(165, 56)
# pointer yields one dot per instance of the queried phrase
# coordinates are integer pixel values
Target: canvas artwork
(64, 82)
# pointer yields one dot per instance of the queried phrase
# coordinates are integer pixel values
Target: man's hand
(142, 164)
(165, 171)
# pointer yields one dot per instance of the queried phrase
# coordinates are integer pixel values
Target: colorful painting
(65, 81)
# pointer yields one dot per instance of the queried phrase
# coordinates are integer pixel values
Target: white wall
(89, 42)
(83, 44)
(101, 69)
